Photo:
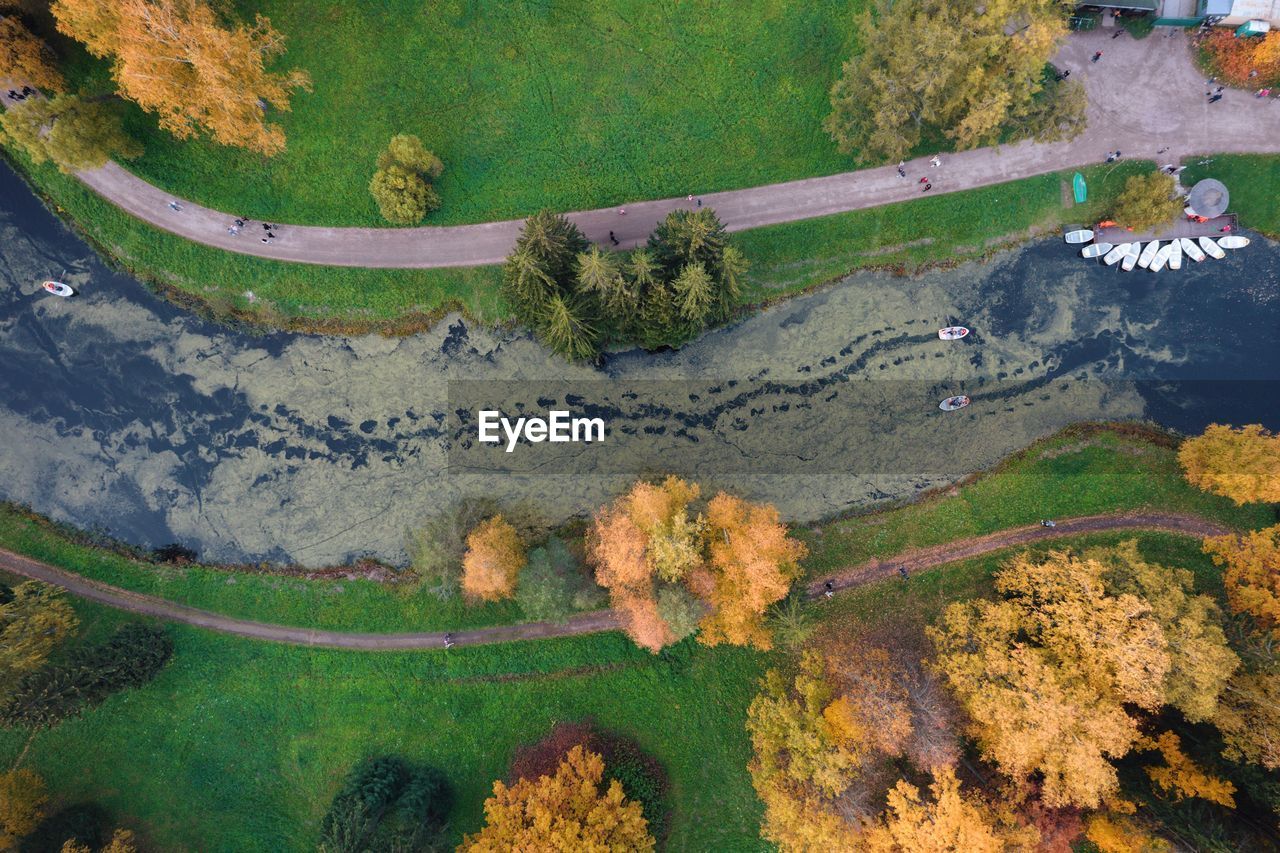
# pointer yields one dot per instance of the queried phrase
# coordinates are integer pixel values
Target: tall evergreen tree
(565, 331)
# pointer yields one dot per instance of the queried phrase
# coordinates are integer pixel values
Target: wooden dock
(1181, 228)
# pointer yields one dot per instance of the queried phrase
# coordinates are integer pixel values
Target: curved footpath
(1146, 99)
(583, 623)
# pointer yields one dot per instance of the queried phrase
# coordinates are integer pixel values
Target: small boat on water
(1149, 254)
(1095, 250)
(1192, 250)
(1233, 241)
(57, 288)
(1084, 235)
(952, 333)
(1161, 258)
(1211, 248)
(1175, 255)
(1116, 253)
(1131, 257)
(952, 403)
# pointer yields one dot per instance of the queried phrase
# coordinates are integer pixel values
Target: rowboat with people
(952, 333)
(57, 288)
(951, 404)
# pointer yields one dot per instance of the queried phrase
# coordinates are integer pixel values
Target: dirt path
(1157, 68)
(583, 623)
(920, 559)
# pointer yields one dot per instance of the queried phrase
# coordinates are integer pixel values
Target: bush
(493, 562)
(386, 805)
(402, 184)
(545, 591)
(131, 658)
(1147, 201)
(437, 547)
(1233, 59)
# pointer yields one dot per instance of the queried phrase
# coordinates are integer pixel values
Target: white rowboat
(952, 403)
(1233, 241)
(1161, 258)
(57, 288)
(1095, 250)
(1116, 253)
(1131, 257)
(1211, 248)
(1149, 254)
(1175, 255)
(1078, 237)
(952, 333)
(1192, 250)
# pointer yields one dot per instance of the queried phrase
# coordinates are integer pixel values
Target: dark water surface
(118, 410)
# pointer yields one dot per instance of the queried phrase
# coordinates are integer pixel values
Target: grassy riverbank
(1254, 183)
(240, 745)
(1078, 472)
(785, 259)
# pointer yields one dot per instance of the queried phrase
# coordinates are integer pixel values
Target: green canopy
(1080, 190)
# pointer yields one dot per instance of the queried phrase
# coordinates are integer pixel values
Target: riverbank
(1083, 470)
(786, 260)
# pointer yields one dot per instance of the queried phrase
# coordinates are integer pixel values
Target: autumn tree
(1120, 832)
(1147, 201)
(1242, 464)
(176, 59)
(1252, 576)
(494, 558)
(34, 619)
(949, 821)
(1049, 671)
(73, 131)
(969, 70)
(570, 810)
(402, 184)
(22, 799)
(1180, 777)
(25, 59)
(1253, 61)
(1249, 717)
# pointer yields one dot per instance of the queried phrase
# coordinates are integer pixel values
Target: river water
(120, 412)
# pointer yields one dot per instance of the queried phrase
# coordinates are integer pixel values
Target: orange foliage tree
(493, 560)
(1241, 464)
(737, 560)
(1235, 58)
(566, 811)
(25, 59)
(176, 59)
(1252, 576)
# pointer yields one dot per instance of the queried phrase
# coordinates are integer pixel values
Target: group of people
(15, 95)
(234, 228)
(934, 162)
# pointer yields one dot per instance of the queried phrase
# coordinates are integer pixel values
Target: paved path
(1143, 96)
(583, 623)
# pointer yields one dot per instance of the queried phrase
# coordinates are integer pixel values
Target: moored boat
(1233, 241)
(1211, 248)
(1116, 253)
(952, 403)
(1161, 258)
(1084, 235)
(1192, 250)
(1149, 254)
(1175, 255)
(1131, 257)
(1095, 250)
(952, 333)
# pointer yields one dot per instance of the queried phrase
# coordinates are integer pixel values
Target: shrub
(402, 184)
(494, 558)
(545, 591)
(1233, 58)
(437, 547)
(358, 806)
(1146, 201)
(133, 656)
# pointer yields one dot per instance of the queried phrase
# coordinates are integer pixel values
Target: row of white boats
(1155, 256)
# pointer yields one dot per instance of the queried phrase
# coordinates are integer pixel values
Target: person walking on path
(928, 186)
(1213, 99)
(175, 207)
(828, 589)
(1096, 56)
(902, 168)
(923, 181)
(622, 211)
(613, 239)
(935, 162)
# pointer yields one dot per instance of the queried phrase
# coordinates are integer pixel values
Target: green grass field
(240, 745)
(1075, 473)
(1254, 183)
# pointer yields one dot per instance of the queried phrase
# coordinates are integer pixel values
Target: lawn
(557, 104)
(240, 745)
(1254, 183)
(1078, 472)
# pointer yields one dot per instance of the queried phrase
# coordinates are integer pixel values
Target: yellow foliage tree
(33, 621)
(1147, 201)
(1249, 718)
(753, 563)
(176, 59)
(950, 822)
(1241, 464)
(566, 811)
(22, 799)
(1252, 574)
(25, 59)
(1182, 777)
(493, 560)
(1118, 833)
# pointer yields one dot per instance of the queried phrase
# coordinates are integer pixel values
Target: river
(122, 413)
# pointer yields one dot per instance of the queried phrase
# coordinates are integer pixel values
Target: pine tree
(564, 330)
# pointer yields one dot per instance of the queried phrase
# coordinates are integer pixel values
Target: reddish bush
(1233, 58)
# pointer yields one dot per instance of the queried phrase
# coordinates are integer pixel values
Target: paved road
(583, 623)
(1143, 96)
